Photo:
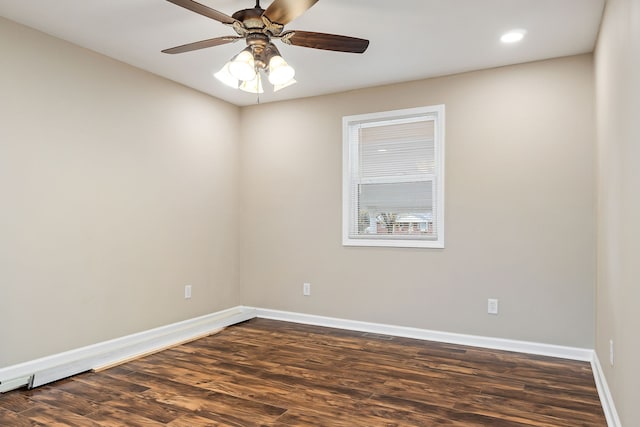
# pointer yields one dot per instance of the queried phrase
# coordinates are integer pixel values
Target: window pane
(396, 208)
(405, 149)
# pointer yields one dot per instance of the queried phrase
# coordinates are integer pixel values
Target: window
(393, 178)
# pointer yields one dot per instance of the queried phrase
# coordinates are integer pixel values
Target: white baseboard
(51, 368)
(606, 399)
(573, 353)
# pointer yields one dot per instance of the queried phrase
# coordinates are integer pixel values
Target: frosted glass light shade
(252, 86)
(225, 77)
(280, 73)
(243, 67)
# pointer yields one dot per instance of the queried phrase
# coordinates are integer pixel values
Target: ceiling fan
(258, 27)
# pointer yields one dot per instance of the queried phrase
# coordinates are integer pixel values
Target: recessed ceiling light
(513, 36)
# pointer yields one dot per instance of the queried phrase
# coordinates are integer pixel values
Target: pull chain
(259, 77)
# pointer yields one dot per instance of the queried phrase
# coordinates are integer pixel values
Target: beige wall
(520, 208)
(618, 111)
(117, 188)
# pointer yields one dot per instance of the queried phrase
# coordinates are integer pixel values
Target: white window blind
(393, 178)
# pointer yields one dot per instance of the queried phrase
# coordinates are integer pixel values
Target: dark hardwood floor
(269, 373)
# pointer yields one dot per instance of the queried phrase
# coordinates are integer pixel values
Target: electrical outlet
(492, 306)
(306, 289)
(611, 352)
(187, 292)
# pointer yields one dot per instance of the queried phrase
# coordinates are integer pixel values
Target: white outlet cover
(611, 352)
(492, 306)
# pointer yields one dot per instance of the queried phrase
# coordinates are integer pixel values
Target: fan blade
(285, 11)
(202, 44)
(325, 41)
(204, 10)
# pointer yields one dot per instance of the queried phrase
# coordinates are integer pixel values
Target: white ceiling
(410, 39)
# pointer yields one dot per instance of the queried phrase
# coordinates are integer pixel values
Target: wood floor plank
(67, 401)
(191, 420)
(53, 416)
(16, 402)
(13, 419)
(265, 373)
(207, 404)
(112, 417)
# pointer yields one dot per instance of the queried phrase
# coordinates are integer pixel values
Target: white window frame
(350, 142)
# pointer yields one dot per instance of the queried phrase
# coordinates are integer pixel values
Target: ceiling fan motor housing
(257, 31)
(251, 18)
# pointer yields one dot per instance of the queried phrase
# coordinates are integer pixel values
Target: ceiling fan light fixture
(258, 27)
(224, 75)
(243, 66)
(280, 73)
